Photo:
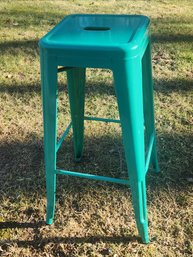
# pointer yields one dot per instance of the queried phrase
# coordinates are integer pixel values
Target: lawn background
(93, 218)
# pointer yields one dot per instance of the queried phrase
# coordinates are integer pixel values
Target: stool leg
(76, 89)
(128, 87)
(49, 97)
(148, 104)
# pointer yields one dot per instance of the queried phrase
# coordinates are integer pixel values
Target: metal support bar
(63, 136)
(101, 119)
(85, 118)
(61, 69)
(149, 152)
(91, 176)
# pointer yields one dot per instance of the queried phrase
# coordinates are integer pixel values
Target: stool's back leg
(49, 97)
(128, 87)
(148, 104)
(76, 89)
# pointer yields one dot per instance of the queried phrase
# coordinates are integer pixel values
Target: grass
(92, 218)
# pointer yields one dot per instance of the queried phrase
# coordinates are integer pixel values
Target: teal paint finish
(76, 85)
(49, 96)
(63, 136)
(148, 104)
(102, 119)
(82, 30)
(94, 177)
(120, 43)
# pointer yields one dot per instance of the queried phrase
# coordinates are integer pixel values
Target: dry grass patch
(92, 218)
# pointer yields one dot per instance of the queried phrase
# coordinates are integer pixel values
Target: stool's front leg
(128, 87)
(49, 97)
(76, 89)
(148, 104)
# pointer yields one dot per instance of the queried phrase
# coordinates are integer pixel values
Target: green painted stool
(120, 43)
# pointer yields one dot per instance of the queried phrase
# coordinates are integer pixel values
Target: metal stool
(120, 43)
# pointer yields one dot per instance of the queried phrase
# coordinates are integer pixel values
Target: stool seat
(106, 35)
(120, 43)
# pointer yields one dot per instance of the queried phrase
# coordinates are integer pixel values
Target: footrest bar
(91, 176)
(149, 153)
(63, 136)
(101, 119)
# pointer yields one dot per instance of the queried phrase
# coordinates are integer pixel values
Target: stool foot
(51, 198)
(50, 210)
(78, 159)
(49, 221)
(144, 236)
(138, 190)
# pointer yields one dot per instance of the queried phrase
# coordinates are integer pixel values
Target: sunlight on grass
(94, 219)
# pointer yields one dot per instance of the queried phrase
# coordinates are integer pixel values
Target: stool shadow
(39, 242)
(171, 38)
(176, 85)
(29, 88)
(172, 174)
(14, 224)
(161, 85)
(22, 163)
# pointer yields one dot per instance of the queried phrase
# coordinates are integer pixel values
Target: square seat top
(96, 30)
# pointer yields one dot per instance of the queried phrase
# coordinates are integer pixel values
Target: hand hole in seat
(97, 28)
